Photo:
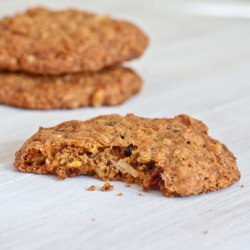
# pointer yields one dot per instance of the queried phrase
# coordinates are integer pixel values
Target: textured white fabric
(196, 64)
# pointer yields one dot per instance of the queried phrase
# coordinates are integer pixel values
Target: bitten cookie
(107, 87)
(55, 42)
(176, 156)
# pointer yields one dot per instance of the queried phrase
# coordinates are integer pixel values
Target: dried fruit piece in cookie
(66, 41)
(176, 156)
(107, 87)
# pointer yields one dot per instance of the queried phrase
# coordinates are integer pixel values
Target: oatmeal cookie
(44, 41)
(176, 156)
(107, 87)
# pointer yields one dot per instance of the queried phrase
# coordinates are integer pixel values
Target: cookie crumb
(93, 219)
(205, 232)
(127, 185)
(107, 186)
(119, 194)
(91, 188)
(140, 194)
(242, 186)
(123, 81)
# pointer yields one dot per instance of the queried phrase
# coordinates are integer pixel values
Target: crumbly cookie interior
(110, 163)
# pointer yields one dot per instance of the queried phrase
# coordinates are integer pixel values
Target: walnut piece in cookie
(174, 155)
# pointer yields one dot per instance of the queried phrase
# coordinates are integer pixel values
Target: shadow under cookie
(108, 87)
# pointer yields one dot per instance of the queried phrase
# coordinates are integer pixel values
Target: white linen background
(197, 63)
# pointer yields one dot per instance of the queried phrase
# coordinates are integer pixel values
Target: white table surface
(198, 63)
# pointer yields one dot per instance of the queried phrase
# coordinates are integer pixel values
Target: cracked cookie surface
(107, 87)
(43, 41)
(176, 156)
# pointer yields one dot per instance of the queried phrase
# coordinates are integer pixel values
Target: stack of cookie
(67, 59)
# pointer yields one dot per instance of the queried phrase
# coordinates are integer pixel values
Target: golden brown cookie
(57, 42)
(176, 156)
(107, 87)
